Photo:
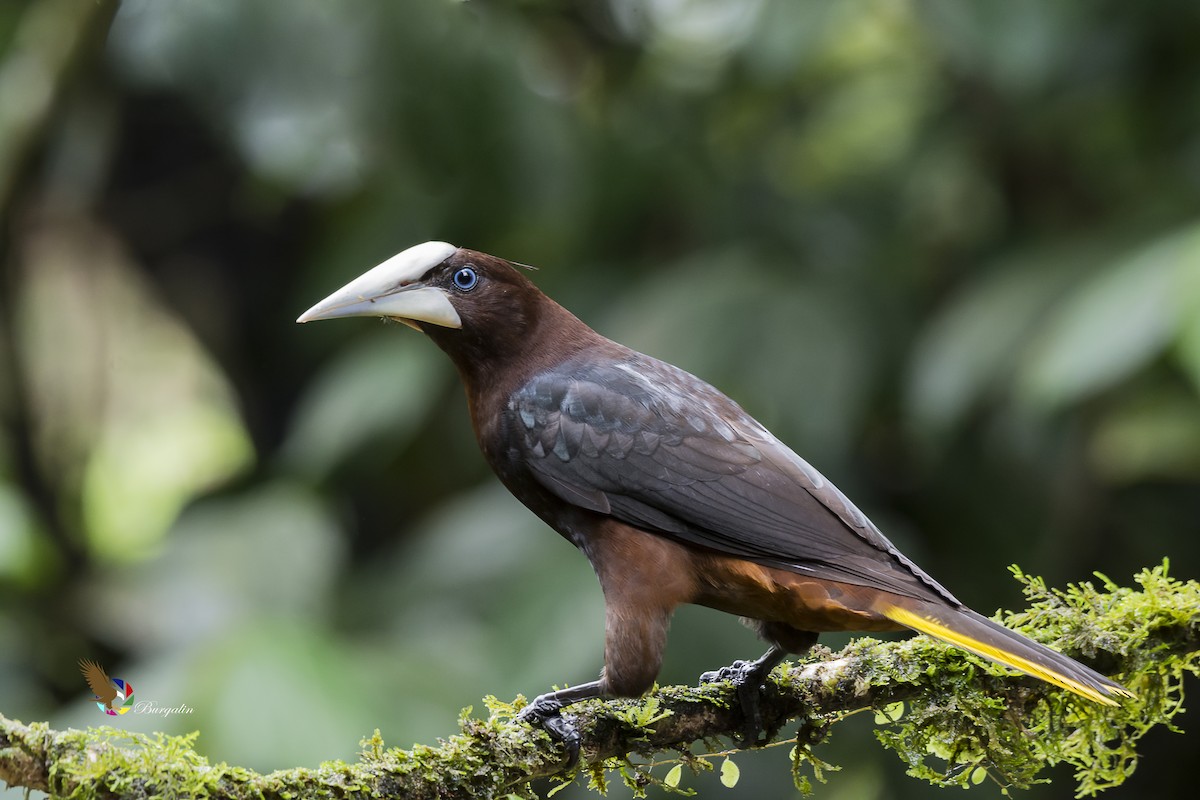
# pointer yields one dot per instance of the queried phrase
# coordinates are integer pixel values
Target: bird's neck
(493, 367)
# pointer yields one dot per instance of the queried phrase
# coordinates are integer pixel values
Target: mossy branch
(953, 718)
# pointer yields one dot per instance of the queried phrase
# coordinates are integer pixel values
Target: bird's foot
(749, 679)
(731, 673)
(545, 712)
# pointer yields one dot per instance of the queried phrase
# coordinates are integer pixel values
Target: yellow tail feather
(939, 630)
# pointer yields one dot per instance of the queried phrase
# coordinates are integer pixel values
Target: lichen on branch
(953, 719)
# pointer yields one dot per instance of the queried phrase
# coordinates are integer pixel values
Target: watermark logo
(114, 696)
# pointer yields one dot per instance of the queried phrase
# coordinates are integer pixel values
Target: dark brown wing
(658, 448)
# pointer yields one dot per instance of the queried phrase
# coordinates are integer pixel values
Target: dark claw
(749, 684)
(749, 678)
(546, 712)
(731, 673)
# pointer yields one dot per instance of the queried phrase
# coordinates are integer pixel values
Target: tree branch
(978, 721)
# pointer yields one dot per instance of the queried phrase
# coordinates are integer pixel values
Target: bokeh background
(949, 251)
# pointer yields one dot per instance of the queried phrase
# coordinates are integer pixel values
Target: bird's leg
(748, 677)
(637, 610)
(546, 712)
(632, 655)
(638, 602)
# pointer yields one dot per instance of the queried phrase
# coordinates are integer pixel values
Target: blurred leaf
(17, 536)
(1016, 44)
(1120, 320)
(128, 404)
(367, 402)
(295, 117)
(272, 687)
(971, 348)
(1188, 350)
(444, 550)
(486, 554)
(866, 127)
(23, 693)
(690, 42)
(481, 597)
(39, 42)
(1152, 436)
(272, 551)
(949, 198)
(140, 477)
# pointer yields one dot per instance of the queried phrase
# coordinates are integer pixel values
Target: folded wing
(658, 448)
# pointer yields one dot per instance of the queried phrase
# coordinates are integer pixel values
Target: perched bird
(98, 681)
(673, 492)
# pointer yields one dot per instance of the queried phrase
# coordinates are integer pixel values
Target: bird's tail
(964, 628)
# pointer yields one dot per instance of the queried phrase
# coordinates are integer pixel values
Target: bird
(671, 490)
(98, 681)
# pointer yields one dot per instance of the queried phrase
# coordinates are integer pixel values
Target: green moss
(953, 718)
(967, 729)
(107, 760)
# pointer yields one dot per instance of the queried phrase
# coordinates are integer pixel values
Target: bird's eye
(465, 279)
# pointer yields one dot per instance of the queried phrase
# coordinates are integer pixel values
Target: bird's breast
(502, 449)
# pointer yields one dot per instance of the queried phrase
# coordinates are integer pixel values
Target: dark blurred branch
(1009, 727)
(52, 40)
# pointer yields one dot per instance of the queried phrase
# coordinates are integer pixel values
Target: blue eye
(465, 279)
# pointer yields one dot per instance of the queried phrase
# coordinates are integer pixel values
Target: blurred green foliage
(950, 252)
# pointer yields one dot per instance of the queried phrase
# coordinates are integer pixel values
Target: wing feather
(660, 449)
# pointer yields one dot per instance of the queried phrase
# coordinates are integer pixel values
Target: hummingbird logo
(113, 695)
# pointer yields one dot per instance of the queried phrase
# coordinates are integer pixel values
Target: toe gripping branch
(545, 712)
(749, 679)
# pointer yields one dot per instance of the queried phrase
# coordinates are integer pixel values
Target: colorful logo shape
(124, 696)
(114, 696)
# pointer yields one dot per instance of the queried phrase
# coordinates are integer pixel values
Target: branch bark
(1150, 638)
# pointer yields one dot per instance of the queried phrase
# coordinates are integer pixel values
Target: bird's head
(478, 308)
